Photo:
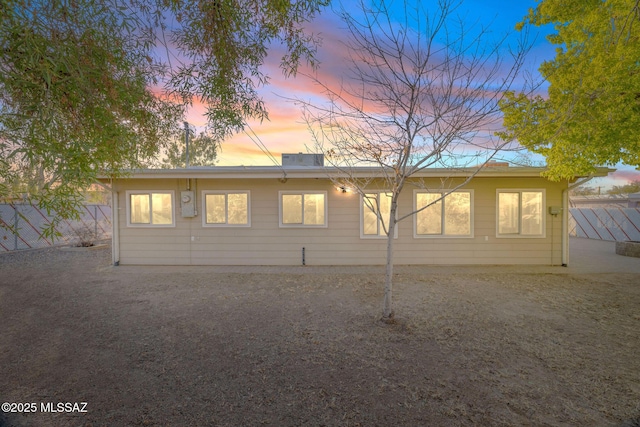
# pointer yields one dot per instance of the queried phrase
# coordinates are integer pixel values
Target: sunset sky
(286, 132)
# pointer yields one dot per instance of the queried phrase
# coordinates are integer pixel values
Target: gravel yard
(302, 346)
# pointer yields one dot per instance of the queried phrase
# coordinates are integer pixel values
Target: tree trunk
(387, 307)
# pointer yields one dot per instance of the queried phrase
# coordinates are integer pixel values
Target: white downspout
(115, 227)
(565, 218)
(565, 227)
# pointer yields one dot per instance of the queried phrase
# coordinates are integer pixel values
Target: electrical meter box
(555, 210)
(188, 204)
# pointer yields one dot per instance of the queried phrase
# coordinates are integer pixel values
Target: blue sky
(286, 130)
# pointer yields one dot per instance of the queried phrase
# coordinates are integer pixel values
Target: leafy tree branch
(591, 115)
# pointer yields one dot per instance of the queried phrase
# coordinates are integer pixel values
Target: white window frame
(381, 234)
(130, 193)
(303, 193)
(543, 216)
(226, 194)
(443, 202)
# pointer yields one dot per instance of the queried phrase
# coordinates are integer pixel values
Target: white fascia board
(263, 172)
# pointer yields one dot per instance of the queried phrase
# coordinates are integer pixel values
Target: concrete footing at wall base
(83, 248)
(628, 249)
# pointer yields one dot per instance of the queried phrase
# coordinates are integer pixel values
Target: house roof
(262, 172)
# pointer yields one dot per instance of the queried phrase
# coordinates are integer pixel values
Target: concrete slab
(599, 256)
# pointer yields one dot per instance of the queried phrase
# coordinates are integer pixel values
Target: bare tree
(420, 94)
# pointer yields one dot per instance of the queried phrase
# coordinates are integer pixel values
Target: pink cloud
(625, 175)
(286, 130)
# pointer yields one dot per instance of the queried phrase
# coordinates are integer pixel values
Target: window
(520, 213)
(152, 208)
(303, 209)
(372, 224)
(448, 217)
(226, 208)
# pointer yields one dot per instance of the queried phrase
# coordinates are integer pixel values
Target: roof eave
(264, 172)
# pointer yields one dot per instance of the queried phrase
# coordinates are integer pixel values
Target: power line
(258, 142)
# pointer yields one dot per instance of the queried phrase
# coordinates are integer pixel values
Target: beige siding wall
(266, 243)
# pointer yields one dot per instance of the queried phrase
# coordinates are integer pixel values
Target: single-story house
(294, 215)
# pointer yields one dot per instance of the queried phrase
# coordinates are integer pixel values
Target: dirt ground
(204, 346)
